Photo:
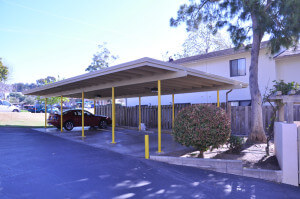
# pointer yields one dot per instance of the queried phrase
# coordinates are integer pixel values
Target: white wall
(220, 66)
(288, 69)
(285, 138)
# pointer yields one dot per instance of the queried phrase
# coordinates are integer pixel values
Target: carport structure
(139, 78)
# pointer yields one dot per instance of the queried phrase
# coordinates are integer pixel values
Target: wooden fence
(240, 116)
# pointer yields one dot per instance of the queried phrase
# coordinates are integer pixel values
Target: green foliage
(20, 87)
(18, 96)
(101, 59)
(247, 21)
(280, 19)
(285, 88)
(202, 127)
(235, 144)
(44, 81)
(50, 100)
(13, 100)
(3, 72)
(29, 100)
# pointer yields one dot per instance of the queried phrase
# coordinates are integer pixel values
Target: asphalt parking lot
(129, 141)
(39, 165)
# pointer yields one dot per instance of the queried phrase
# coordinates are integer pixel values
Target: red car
(73, 118)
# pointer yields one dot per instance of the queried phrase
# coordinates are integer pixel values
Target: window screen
(238, 67)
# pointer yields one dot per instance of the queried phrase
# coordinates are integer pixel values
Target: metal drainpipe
(227, 111)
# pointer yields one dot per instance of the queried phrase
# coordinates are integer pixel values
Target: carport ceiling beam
(165, 76)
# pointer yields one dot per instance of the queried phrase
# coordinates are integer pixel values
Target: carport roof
(137, 78)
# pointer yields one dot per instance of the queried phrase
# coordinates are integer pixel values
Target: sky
(59, 37)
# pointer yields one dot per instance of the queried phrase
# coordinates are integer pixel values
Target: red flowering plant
(202, 127)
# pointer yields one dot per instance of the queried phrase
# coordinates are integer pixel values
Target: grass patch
(22, 119)
(22, 126)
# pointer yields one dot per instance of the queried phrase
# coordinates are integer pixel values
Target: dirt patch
(252, 156)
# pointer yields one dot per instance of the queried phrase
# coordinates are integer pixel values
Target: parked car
(73, 118)
(41, 109)
(5, 106)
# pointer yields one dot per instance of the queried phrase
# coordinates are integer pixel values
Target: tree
(18, 96)
(50, 100)
(3, 71)
(44, 81)
(101, 59)
(248, 21)
(203, 40)
(200, 41)
(20, 87)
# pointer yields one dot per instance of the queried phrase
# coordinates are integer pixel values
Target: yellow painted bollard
(46, 113)
(173, 111)
(61, 114)
(82, 115)
(159, 116)
(146, 146)
(140, 114)
(218, 98)
(94, 106)
(113, 116)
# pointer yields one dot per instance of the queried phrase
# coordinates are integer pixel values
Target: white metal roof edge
(109, 70)
(134, 64)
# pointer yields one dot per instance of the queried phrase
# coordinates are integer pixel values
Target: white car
(5, 106)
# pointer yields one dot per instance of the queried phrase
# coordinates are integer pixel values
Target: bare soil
(253, 156)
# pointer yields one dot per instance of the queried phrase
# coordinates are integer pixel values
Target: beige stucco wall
(288, 69)
(220, 66)
(268, 70)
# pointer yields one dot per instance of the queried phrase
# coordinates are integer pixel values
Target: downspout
(228, 106)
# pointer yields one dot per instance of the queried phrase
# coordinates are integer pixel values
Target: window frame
(230, 67)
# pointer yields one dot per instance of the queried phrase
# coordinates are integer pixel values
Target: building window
(238, 67)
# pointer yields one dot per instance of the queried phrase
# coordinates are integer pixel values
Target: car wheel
(68, 125)
(15, 110)
(102, 124)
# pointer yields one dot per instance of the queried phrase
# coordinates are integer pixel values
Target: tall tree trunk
(257, 130)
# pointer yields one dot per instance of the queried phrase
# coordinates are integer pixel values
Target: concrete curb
(223, 166)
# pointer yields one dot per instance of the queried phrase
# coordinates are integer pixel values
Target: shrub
(202, 127)
(235, 144)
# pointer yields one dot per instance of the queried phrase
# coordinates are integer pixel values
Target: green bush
(235, 144)
(202, 127)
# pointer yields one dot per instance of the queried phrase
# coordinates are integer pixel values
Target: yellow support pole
(61, 114)
(94, 106)
(113, 115)
(173, 111)
(218, 98)
(146, 146)
(140, 114)
(82, 115)
(159, 116)
(46, 113)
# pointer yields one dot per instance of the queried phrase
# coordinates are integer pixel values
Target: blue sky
(59, 37)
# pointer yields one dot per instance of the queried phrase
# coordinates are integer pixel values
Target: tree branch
(269, 2)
